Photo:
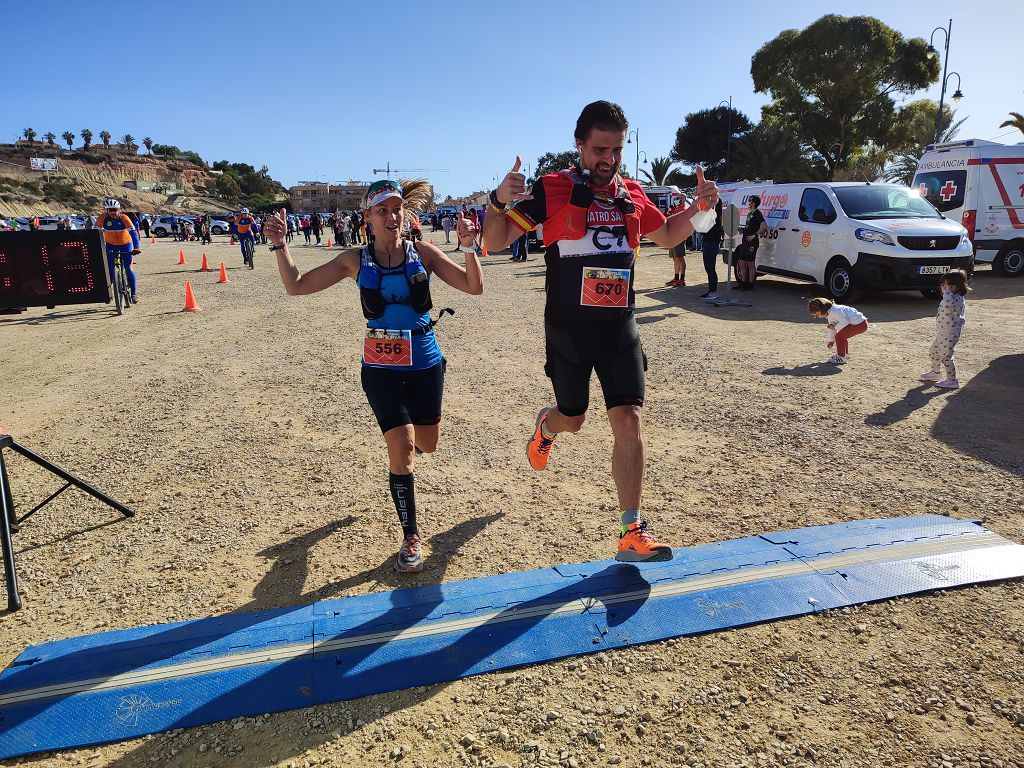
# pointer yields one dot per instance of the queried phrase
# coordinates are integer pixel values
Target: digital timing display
(48, 268)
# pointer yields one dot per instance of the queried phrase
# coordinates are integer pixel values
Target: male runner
(593, 220)
(245, 227)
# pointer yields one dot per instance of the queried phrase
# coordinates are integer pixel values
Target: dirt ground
(242, 438)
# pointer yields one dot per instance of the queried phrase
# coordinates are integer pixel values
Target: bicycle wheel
(250, 249)
(118, 291)
(126, 287)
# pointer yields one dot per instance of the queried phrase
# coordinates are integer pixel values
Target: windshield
(877, 202)
(943, 189)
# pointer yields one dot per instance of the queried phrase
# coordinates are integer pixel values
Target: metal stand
(9, 523)
(730, 223)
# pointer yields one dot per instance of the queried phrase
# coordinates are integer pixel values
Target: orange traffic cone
(431, 241)
(190, 299)
(328, 242)
(232, 239)
(223, 274)
(181, 257)
(205, 267)
(152, 240)
(483, 253)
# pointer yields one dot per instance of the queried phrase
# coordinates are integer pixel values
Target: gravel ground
(242, 437)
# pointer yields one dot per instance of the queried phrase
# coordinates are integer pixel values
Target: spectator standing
(710, 244)
(446, 225)
(307, 227)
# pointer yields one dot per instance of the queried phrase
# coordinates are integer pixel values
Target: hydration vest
(570, 223)
(371, 276)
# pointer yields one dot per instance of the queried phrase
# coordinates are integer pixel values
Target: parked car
(162, 226)
(219, 227)
(45, 222)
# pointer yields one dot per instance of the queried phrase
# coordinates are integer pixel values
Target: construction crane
(389, 170)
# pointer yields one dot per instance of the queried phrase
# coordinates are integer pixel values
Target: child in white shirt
(843, 321)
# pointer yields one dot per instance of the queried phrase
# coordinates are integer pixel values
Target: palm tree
(50, 137)
(769, 151)
(86, 137)
(903, 167)
(1017, 122)
(29, 134)
(105, 138)
(129, 141)
(149, 145)
(661, 167)
(69, 139)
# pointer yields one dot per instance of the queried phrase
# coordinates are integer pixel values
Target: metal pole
(636, 168)
(942, 93)
(728, 138)
(6, 516)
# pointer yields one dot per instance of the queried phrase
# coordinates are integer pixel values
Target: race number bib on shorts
(387, 347)
(605, 287)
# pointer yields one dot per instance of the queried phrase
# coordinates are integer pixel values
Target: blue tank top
(398, 313)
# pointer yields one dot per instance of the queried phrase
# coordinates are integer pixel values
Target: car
(219, 227)
(45, 222)
(424, 218)
(162, 226)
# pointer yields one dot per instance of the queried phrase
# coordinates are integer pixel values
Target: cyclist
(593, 220)
(246, 228)
(402, 368)
(121, 238)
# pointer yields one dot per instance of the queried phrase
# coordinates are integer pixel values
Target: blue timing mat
(125, 684)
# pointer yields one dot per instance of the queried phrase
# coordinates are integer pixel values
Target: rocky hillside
(85, 179)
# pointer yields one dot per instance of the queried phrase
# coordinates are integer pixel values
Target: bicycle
(249, 252)
(122, 291)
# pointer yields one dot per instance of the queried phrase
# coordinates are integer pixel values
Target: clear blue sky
(329, 90)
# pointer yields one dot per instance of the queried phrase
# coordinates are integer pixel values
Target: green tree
(553, 162)
(1016, 121)
(129, 141)
(917, 128)
(704, 136)
(770, 151)
(167, 150)
(87, 138)
(228, 186)
(657, 176)
(50, 137)
(193, 157)
(148, 142)
(29, 134)
(69, 138)
(834, 82)
(105, 138)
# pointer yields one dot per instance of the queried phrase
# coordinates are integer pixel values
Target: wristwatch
(495, 202)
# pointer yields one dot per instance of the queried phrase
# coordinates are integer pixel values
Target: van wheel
(839, 281)
(931, 293)
(1010, 261)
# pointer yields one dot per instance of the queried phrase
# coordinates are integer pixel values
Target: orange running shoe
(539, 448)
(636, 545)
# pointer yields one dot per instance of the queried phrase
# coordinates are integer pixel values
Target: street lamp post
(641, 152)
(636, 135)
(728, 136)
(932, 53)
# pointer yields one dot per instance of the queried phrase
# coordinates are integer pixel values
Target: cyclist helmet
(245, 210)
(111, 203)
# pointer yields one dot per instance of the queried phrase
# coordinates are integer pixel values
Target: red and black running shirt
(589, 278)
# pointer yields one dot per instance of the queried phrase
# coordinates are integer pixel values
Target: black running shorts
(612, 349)
(404, 397)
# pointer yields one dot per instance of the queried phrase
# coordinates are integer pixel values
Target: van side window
(815, 200)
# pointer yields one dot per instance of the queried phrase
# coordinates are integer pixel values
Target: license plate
(933, 269)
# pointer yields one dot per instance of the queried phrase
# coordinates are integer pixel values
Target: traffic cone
(483, 253)
(223, 274)
(152, 240)
(232, 239)
(205, 267)
(328, 242)
(190, 299)
(431, 241)
(181, 257)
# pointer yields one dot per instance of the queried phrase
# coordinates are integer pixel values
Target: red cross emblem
(922, 189)
(947, 191)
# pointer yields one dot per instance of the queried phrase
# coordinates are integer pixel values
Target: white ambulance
(980, 184)
(849, 236)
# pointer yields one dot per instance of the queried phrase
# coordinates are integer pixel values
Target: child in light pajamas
(949, 324)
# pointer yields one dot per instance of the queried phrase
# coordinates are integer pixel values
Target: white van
(849, 236)
(981, 185)
(665, 197)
